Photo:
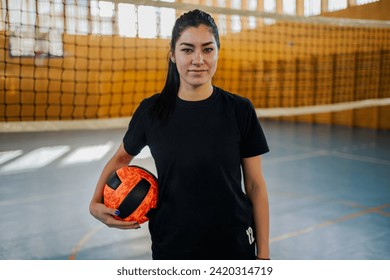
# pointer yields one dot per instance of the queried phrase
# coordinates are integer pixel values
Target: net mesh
(82, 60)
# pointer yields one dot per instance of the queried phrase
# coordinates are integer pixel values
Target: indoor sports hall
(317, 71)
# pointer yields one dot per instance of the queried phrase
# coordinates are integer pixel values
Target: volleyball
(132, 190)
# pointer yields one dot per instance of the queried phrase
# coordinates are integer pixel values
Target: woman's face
(196, 56)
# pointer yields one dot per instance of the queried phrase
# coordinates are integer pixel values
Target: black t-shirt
(202, 210)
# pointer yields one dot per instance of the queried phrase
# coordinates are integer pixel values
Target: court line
(359, 158)
(300, 156)
(320, 153)
(80, 244)
(332, 222)
(357, 205)
(76, 249)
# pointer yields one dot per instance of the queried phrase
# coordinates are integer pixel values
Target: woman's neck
(195, 94)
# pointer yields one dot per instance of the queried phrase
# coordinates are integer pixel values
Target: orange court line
(332, 222)
(80, 244)
(76, 249)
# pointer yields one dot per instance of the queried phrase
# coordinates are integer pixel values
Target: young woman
(203, 139)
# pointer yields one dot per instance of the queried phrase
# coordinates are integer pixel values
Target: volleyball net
(94, 61)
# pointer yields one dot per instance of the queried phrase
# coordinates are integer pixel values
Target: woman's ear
(172, 57)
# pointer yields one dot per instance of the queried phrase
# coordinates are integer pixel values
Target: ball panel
(133, 199)
(150, 202)
(114, 181)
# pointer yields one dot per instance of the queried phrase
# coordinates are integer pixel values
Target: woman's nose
(198, 59)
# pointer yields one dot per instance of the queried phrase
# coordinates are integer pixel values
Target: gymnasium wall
(274, 66)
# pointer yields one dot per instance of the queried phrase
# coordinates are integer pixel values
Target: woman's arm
(96, 207)
(256, 190)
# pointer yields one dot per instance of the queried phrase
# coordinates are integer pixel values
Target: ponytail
(167, 99)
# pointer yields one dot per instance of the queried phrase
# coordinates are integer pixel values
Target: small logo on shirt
(249, 232)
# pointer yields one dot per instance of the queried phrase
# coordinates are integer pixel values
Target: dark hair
(165, 104)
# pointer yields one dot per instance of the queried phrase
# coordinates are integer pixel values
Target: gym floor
(329, 192)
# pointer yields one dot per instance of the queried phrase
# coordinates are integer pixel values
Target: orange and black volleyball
(132, 190)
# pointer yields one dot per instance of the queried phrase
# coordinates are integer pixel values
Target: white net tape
(31, 126)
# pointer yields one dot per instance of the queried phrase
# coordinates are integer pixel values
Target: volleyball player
(203, 140)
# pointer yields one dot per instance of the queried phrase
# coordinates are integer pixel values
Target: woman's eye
(187, 50)
(208, 50)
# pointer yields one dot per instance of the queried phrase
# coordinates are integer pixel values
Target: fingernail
(117, 212)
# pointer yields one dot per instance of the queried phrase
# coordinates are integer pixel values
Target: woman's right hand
(107, 216)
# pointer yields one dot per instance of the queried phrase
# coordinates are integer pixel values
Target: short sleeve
(253, 142)
(135, 139)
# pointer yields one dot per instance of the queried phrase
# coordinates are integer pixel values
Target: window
(3, 11)
(127, 26)
(270, 7)
(51, 25)
(167, 21)
(362, 2)
(221, 19)
(125, 19)
(335, 5)
(36, 27)
(147, 22)
(102, 16)
(76, 12)
(252, 5)
(312, 7)
(166, 18)
(235, 19)
(289, 7)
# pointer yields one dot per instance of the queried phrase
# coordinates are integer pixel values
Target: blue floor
(329, 192)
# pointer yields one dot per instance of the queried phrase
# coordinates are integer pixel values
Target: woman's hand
(107, 216)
